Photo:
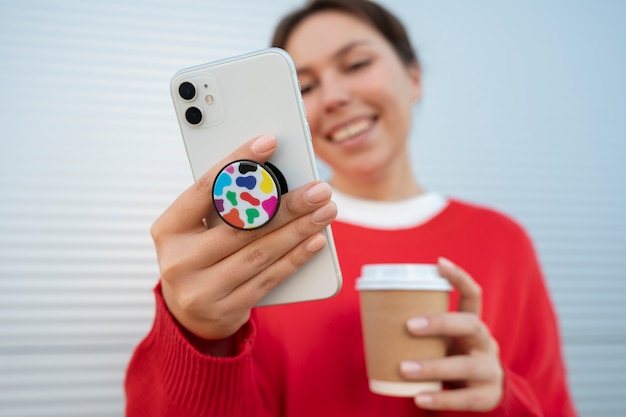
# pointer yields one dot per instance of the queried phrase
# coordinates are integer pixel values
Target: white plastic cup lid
(401, 277)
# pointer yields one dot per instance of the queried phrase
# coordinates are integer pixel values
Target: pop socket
(246, 193)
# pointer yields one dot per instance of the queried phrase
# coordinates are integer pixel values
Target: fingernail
(324, 213)
(264, 144)
(410, 367)
(446, 263)
(317, 193)
(424, 399)
(416, 323)
(315, 243)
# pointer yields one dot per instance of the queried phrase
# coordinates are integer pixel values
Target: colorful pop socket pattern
(246, 194)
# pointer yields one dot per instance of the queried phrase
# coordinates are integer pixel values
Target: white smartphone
(221, 105)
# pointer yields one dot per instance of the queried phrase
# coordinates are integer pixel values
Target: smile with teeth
(351, 130)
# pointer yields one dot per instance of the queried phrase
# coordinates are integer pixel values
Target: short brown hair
(369, 12)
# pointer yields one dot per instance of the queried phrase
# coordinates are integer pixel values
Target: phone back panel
(241, 98)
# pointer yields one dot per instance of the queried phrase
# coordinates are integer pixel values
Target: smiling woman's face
(358, 95)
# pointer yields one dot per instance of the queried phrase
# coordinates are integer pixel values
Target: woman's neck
(399, 186)
(397, 183)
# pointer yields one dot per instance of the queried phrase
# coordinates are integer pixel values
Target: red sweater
(307, 359)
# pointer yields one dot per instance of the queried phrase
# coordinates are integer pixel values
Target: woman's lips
(351, 129)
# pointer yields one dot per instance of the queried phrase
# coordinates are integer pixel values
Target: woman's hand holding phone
(212, 278)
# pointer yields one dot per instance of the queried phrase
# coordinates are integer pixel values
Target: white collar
(402, 214)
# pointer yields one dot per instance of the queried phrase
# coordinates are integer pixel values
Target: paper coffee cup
(390, 294)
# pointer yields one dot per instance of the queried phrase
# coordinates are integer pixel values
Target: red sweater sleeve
(167, 376)
(520, 314)
(535, 370)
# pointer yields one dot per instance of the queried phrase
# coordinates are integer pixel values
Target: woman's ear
(415, 75)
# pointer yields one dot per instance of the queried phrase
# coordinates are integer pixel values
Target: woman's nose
(335, 94)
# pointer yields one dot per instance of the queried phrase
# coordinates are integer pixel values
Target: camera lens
(193, 115)
(187, 91)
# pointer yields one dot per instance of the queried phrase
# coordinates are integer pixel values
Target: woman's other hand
(472, 370)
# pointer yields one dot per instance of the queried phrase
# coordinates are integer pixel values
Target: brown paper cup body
(384, 314)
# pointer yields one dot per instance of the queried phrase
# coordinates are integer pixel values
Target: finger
(452, 368)
(252, 291)
(221, 241)
(192, 206)
(470, 292)
(226, 315)
(256, 259)
(478, 398)
(219, 319)
(458, 325)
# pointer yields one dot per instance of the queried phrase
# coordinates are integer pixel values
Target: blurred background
(522, 111)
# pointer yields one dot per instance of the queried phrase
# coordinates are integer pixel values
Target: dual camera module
(187, 91)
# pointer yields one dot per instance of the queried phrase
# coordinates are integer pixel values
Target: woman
(211, 354)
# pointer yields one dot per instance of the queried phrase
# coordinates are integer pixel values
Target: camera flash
(209, 99)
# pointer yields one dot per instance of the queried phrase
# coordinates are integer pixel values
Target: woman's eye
(355, 66)
(306, 88)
